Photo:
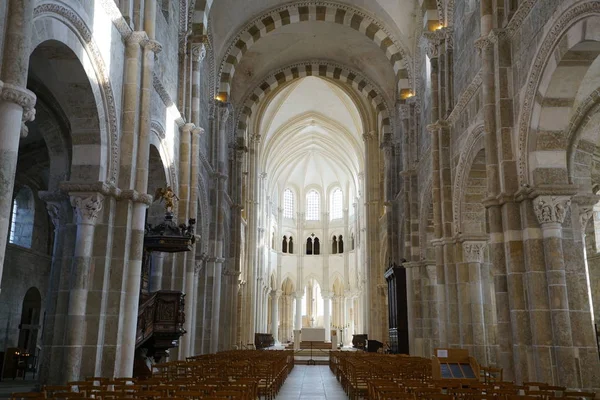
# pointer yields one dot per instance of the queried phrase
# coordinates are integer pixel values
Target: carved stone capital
(585, 205)
(57, 213)
(188, 127)
(483, 43)
(87, 206)
(433, 42)
(404, 111)
(276, 294)
(20, 96)
(152, 45)
(198, 52)
(585, 213)
(224, 111)
(449, 37)
(551, 209)
(137, 37)
(435, 127)
(327, 295)
(136, 197)
(473, 251)
(368, 136)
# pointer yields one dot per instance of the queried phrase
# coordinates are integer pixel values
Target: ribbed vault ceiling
(312, 136)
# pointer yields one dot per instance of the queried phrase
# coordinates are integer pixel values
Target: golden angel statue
(168, 196)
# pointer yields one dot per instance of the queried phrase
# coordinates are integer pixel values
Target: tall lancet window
(336, 204)
(288, 204)
(22, 218)
(312, 206)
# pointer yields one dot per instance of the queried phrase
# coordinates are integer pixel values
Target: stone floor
(311, 382)
(7, 387)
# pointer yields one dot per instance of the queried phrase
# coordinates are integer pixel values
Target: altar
(313, 334)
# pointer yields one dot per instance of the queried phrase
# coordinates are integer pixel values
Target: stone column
(298, 323)
(327, 314)
(87, 207)
(16, 105)
(550, 212)
(194, 348)
(156, 274)
(374, 272)
(275, 295)
(140, 201)
(593, 261)
(198, 55)
(59, 211)
(217, 240)
(415, 318)
(190, 260)
(430, 304)
(471, 299)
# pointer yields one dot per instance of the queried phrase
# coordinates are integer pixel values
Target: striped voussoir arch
(320, 69)
(200, 12)
(301, 12)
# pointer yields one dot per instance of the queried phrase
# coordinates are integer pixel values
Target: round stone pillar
(327, 314)
(275, 295)
(550, 212)
(87, 206)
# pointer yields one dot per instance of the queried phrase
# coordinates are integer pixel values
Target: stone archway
(29, 327)
(547, 106)
(76, 46)
(330, 12)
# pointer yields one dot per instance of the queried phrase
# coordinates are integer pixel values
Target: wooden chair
(28, 395)
(491, 374)
(579, 395)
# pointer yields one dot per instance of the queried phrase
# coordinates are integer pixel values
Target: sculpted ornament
(87, 208)
(473, 251)
(21, 96)
(551, 209)
(56, 214)
(198, 51)
(585, 213)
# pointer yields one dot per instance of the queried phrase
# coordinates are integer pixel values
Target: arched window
(352, 241)
(22, 217)
(284, 245)
(312, 206)
(316, 247)
(291, 246)
(336, 204)
(341, 245)
(309, 246)
(334, 245)
(288, 204)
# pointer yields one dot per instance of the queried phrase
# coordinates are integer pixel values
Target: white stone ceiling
(312, 136)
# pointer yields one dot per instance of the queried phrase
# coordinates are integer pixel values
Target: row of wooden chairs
(233, 375)
(385, 377)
